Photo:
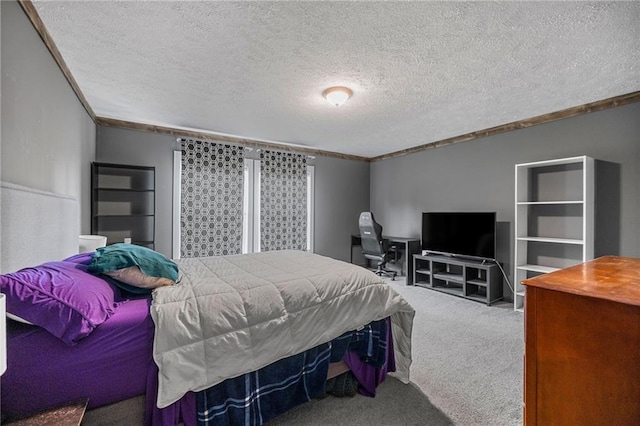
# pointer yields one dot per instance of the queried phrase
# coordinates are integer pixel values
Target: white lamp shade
(3, 334)
(89, 243)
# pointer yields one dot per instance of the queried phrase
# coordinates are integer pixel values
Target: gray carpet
(395, 404)
(467, 370)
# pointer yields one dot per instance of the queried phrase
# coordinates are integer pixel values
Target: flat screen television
(468, 234)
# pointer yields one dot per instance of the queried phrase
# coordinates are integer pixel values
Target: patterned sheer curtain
(211, 199)
(283, 201)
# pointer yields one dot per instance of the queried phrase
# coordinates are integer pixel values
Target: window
(226, 203)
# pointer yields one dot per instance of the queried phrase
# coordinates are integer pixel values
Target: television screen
(470, 234)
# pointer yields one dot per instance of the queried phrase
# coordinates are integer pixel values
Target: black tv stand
(473, 279)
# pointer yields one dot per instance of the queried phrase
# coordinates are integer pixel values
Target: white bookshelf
(554, 205)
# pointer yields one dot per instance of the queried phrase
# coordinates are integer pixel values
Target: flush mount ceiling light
(337, 95)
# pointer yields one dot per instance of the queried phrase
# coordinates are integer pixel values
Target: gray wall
(48, 138)
(342, 187)
(342, 192)
(479, 176)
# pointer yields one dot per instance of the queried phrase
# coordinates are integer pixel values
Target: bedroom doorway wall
(230, 199)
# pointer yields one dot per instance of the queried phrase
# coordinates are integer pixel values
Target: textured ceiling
(420, 71)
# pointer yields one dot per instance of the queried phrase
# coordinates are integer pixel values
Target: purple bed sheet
(113, 364)
(108, 366)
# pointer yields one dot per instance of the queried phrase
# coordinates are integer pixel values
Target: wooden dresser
(582, 345)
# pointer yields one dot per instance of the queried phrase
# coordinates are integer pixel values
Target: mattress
(87, 369)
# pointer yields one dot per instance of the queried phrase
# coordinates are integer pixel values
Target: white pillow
(134, 276)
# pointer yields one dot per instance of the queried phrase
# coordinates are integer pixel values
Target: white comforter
(231, 315)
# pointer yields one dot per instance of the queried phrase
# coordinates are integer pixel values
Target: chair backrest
(371, 235)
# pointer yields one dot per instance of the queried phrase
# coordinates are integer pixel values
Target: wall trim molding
(212, 136)
(613, 102)
(30, 10)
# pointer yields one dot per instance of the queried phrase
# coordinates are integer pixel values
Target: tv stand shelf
(469, 278)
(449, 276)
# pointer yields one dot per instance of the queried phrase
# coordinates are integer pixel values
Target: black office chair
(374, 247)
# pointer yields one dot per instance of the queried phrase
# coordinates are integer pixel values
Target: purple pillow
(82, 258)
(60, 297)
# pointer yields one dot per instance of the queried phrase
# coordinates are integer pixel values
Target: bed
(277, 322)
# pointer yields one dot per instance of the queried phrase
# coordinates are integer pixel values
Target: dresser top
(609, 277)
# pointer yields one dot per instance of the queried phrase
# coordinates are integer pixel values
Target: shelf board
(552, 240)
(520, 293)
(481, 283)
(542, 203)
(448, 276)
(121, 169)
(458, 261)
(570, 160)
(124, 190)
(423, 271)
(537, 268)
(119, 216)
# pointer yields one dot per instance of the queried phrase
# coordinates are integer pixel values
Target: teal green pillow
(119, 256)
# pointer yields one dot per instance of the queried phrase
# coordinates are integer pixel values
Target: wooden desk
(409, 247)
(582, 345)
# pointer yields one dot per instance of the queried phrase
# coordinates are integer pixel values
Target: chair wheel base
(390, 274)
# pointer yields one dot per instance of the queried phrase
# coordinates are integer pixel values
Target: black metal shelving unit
(123, 203)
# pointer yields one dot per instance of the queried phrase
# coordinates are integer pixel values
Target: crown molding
(613, 102)
(204, 135)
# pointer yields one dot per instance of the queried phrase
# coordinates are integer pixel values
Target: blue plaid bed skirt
(257, 397)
